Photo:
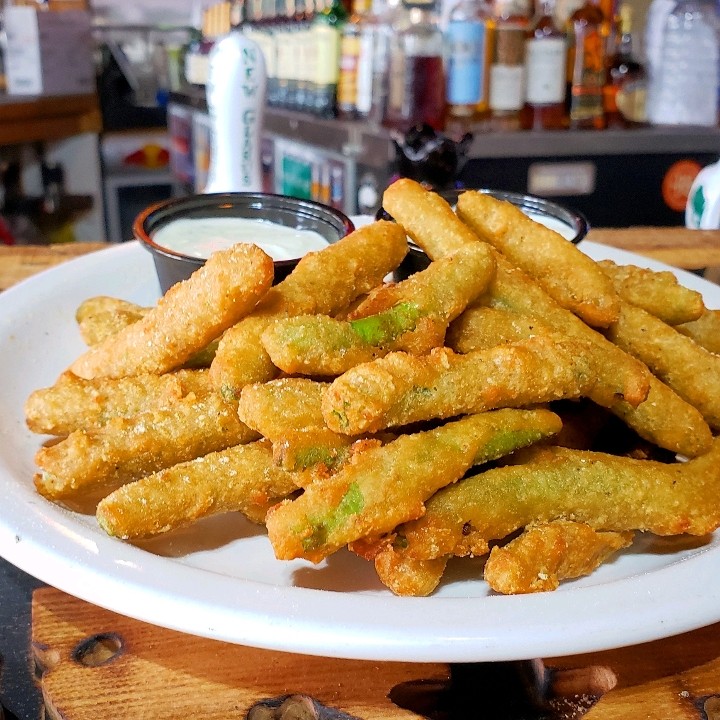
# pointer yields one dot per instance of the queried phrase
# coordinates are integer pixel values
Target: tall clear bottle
(587, 53)
(416, 90)
(507, 70)
(377, 34)
(469, 45)
(545, 69)
(683, 88)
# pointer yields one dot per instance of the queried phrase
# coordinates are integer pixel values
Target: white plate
(219, 579)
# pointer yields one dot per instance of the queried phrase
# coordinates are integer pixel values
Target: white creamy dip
(199, 237)
(560, 227)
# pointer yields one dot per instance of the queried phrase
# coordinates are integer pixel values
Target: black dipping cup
(173, 267)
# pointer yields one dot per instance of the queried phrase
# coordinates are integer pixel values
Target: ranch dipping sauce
(200, 237)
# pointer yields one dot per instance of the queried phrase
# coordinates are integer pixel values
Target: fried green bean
(705, 331)
(288, 412)
(686, 367)
(186, 319)
(545, 554)
(543, 484)
(384, 486)
(322, 283)
(656, 291)
(412, 316)
(101, 317)
(239, 479)
(74, 403)
(400, 389)
(127, 449)
(570, 277)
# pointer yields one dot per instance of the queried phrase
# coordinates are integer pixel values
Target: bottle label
(507, 87)
(466, 64)
(347, 81)
(545, 67)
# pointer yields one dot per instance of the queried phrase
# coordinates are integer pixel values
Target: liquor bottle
(377, 34)
(545, 68)
(350, 60)
(416, 90)
(468, 36)
(325, 37)
(683, 89)
(507, 70)
(587, 36)
(626, 81)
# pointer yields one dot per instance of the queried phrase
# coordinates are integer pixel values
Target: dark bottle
(626, 81)
(587, 35)
(545, 69)
(416, 89)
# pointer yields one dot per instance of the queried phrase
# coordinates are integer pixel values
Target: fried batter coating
(288, 412)
(569, 276)
(658, 292)
(545, 554)
(322, 283)
(384, 486)
(126, 449)
(481, 327)
(686, 367)
(411, 316)
(101, 316)
(406, 576)
(74, 403)
(240, 479)
(543, 484)
(427, 218)
(400, 389)
(705, 331)
(190, 315)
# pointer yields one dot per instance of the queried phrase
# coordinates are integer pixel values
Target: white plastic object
(702, 211)
(235, 90)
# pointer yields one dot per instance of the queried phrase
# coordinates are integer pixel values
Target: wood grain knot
(98, 649)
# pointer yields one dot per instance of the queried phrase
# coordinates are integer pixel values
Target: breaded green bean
(240, 479)
(433, 225)
(481, 327)
(543, 484)
(186, 319)
(570, 277)
(101, 316)
(412, 316)
(387, 485)
(656, 291)
(288, 412)
(705, 331)
(74, 403)
(407, 576)
(127, 449)
(664, 418)
(545, 554)
(686, 367)
(400, 389)
(322, 283)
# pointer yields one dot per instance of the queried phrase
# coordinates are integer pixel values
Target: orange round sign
(677, 181)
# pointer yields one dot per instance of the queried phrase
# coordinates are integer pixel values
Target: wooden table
(96, 664)
(688, 249)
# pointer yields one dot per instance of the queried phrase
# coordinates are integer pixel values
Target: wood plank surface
(142, 671)
(683, 248)
(18, 262)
